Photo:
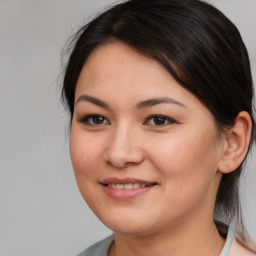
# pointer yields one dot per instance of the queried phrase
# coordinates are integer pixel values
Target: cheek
(178, 152)
(85, 153)
(185, 161)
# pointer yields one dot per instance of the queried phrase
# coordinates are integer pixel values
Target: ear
(236, 143)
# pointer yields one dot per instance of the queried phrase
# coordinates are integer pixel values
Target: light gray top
(101, 248)
(227, 245)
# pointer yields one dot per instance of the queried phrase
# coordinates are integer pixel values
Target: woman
(160, 99)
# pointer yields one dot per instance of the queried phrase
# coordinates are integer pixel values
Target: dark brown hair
(199, 46)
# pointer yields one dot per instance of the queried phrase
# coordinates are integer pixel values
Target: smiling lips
(126, 186)
(123, 189)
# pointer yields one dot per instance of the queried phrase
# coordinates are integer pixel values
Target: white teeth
(136, 185)
(126, 186)
(119, 186)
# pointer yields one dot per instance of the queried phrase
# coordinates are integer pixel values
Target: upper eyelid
(163, 116)
(86, 117)
(170, 121)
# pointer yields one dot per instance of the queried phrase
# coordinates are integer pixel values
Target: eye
(94, 120)
(158, 120)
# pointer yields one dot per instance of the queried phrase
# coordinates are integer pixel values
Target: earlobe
(236, 143)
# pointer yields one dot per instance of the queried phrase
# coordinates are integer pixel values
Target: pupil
(159, 120)
(98, 120)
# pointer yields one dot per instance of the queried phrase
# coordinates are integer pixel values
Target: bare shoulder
(240, 248)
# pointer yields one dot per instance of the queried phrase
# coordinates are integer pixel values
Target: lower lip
(124, 194)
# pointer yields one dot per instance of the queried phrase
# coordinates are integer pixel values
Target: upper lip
(115, 180)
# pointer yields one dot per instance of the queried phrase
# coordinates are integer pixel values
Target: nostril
(121, 156)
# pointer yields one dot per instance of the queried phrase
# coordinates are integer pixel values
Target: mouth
(122, 189)
(127, 186)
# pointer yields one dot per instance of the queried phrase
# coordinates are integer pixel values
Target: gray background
(41, 210)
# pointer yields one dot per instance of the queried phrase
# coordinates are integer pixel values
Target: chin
(129, 229)
(127, 223)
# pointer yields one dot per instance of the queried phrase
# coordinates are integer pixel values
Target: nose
(124, 148)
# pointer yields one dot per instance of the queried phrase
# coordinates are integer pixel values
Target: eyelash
(86, 120)
(165, 120)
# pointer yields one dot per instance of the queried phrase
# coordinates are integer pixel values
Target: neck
(186, 238)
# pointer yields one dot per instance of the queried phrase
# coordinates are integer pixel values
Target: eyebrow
(93, 100)
(156, 101)
(140, 105)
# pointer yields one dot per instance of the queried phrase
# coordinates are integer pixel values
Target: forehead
(113, 57)
(116, 73)
(117, 64)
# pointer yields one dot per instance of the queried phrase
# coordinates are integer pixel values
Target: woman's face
(145, 151)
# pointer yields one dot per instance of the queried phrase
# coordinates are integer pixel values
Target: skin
(182, 155)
